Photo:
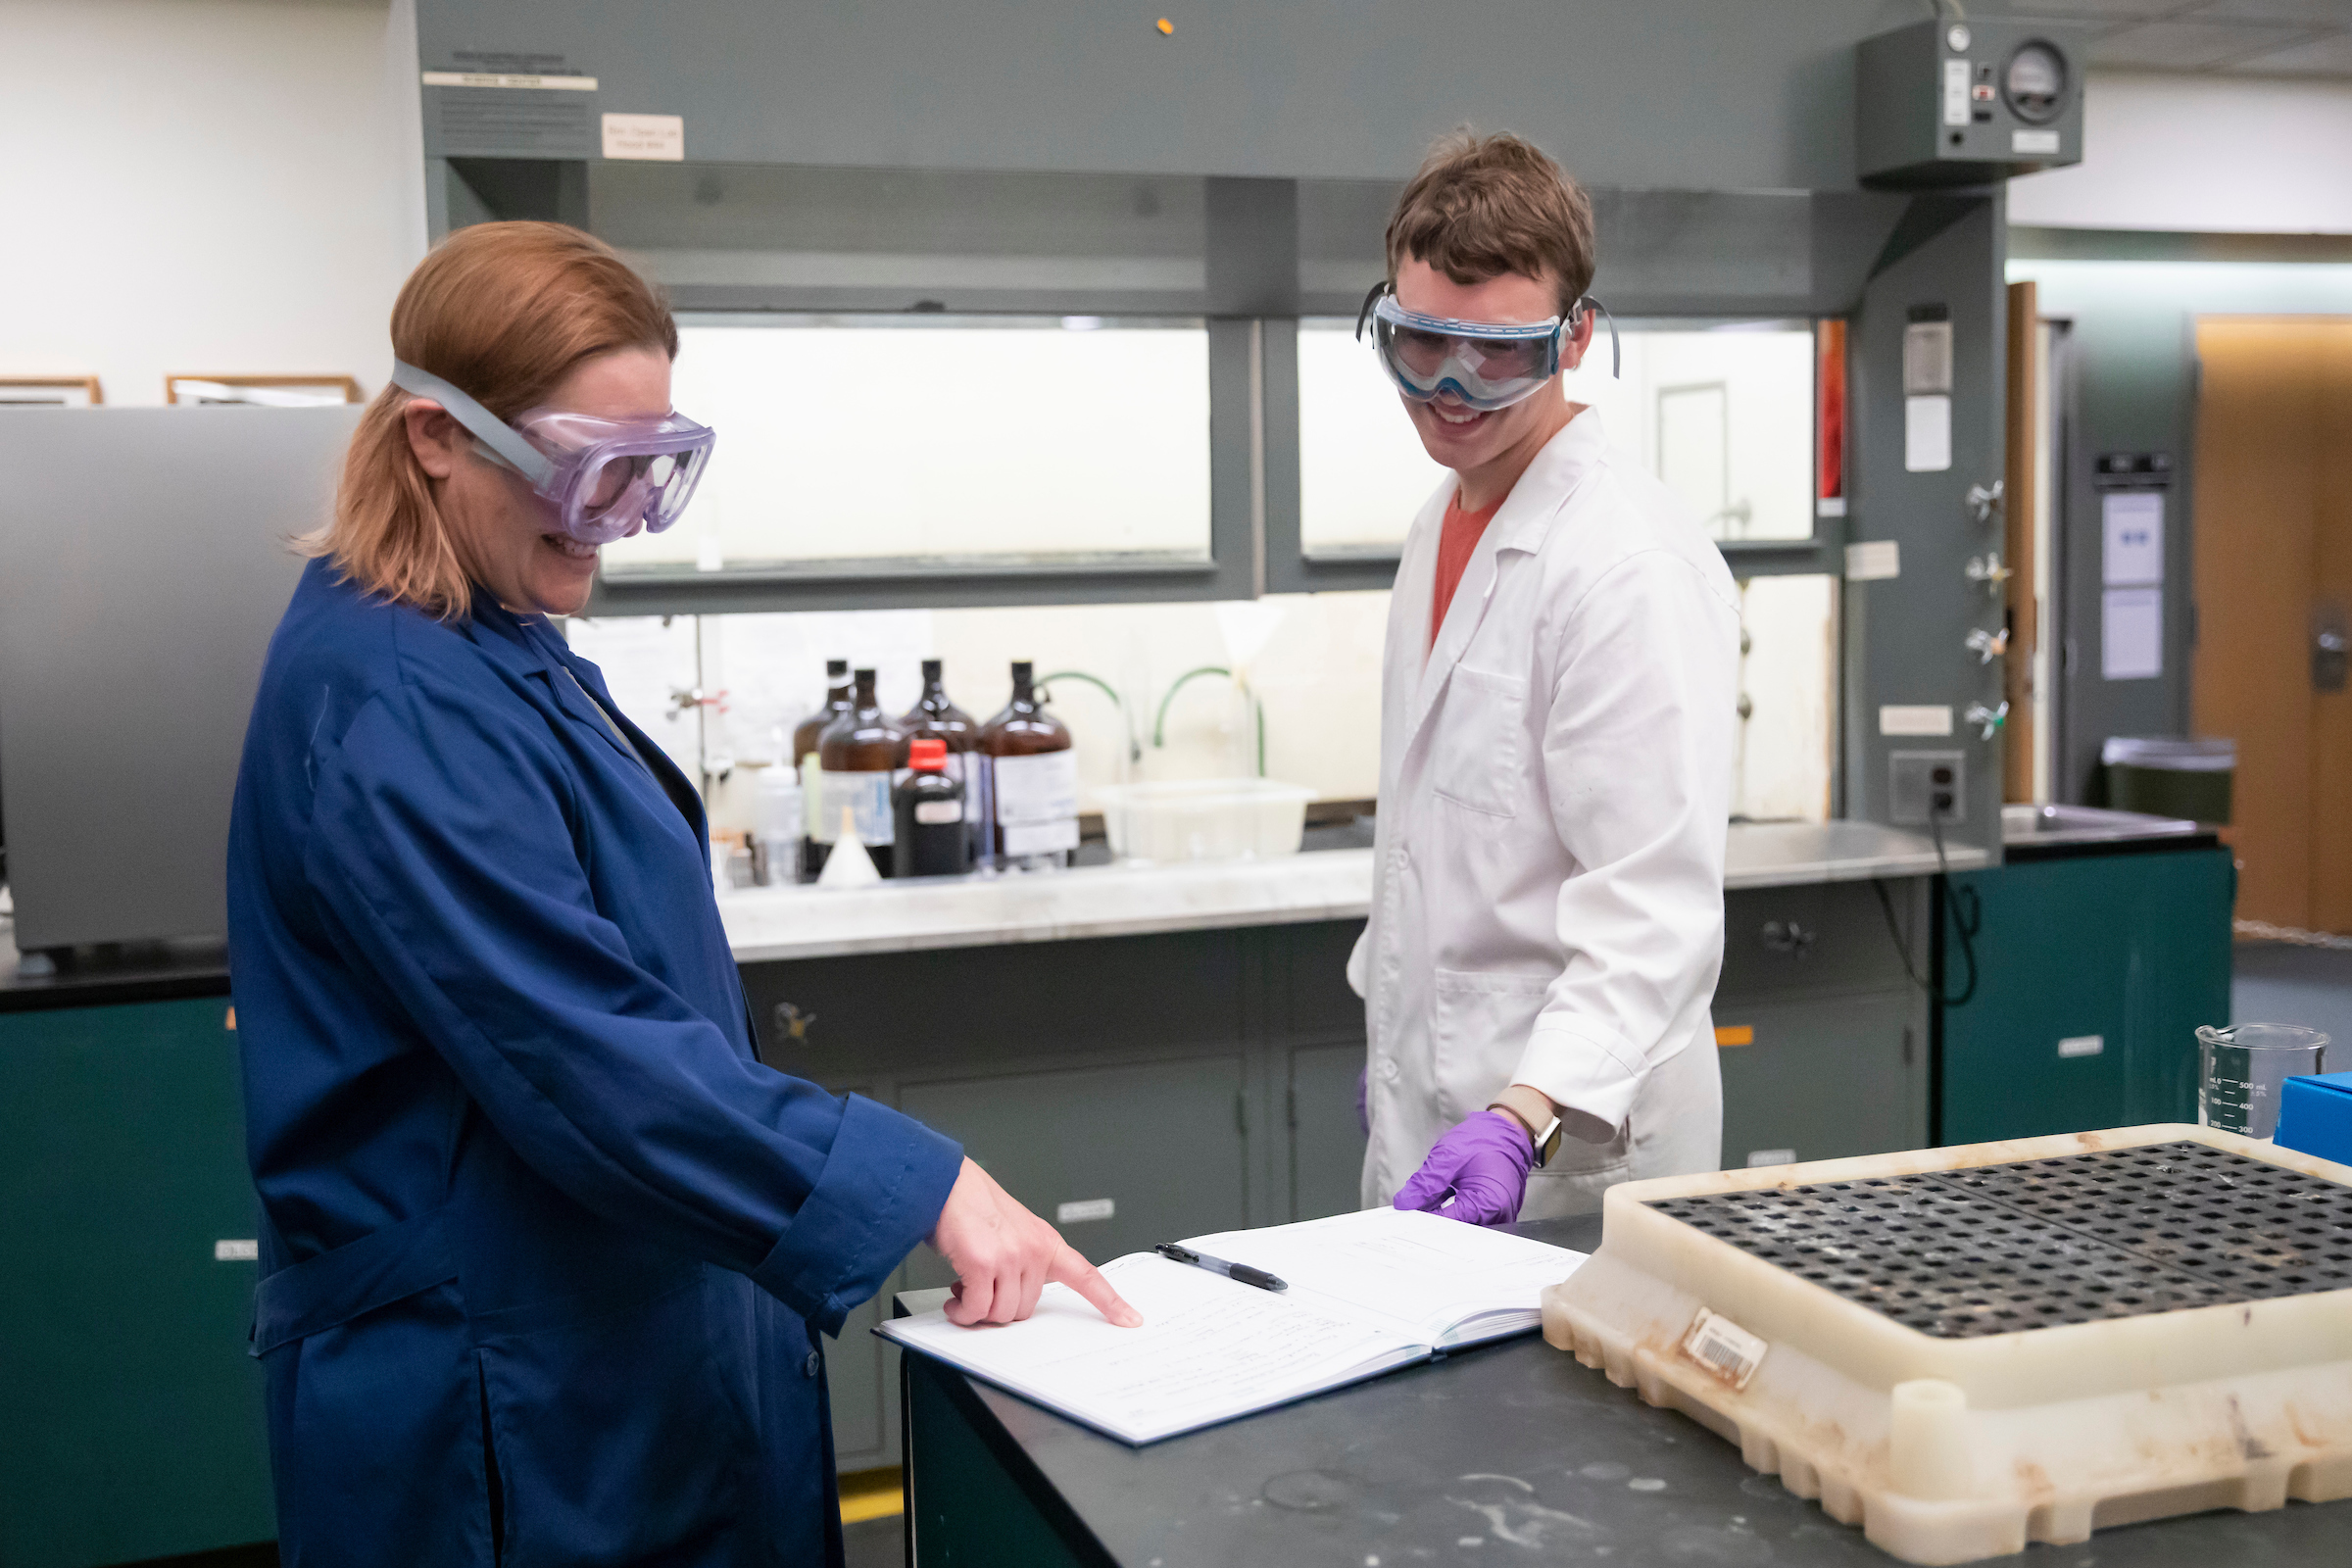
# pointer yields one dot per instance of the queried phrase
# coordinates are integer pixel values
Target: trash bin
(2166, 775)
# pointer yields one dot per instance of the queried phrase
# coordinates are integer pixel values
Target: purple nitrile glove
(1363, 1109)
(1483, 1164)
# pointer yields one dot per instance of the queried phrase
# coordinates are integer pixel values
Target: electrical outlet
(1918, 782)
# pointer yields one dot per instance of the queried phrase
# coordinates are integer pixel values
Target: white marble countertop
(805, 922)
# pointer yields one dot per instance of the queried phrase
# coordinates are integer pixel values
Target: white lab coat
(1555, 792)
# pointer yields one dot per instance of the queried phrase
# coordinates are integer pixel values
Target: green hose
(1135, 750)
(1159, 725)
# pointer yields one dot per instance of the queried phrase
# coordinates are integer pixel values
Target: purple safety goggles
(604, 478)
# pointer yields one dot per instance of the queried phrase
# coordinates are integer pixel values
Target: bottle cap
(931, 667)
(927, 754)
(837, 667)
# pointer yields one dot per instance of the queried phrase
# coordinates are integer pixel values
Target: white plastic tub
(1204, 819)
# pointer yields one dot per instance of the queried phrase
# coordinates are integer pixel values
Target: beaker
(2242, 1068)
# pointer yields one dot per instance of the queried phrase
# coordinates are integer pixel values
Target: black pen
(1239, 1273)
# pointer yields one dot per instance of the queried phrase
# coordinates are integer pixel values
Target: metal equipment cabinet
(1824, 1036)
(134, 1425)
(2092, 974)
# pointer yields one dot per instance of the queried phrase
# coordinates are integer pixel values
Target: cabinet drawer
(1822, 937)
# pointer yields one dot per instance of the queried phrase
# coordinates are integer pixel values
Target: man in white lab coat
(1556, 735)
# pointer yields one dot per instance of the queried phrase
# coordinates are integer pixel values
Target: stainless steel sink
(2084, 824)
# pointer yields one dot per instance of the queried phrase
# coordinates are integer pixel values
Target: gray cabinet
(1823, 1079)
(1205, 1080)
(1327, 1144)
(1152, 1076)
(1825, 1039)
(1119, 1157)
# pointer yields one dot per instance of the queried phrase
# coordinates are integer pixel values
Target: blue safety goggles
(1485, 364)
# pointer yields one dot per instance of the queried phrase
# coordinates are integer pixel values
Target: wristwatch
(1547, 1141)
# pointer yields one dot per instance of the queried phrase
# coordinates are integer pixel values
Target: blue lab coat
(545, 1250)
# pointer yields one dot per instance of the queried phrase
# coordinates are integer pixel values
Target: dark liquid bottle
(804, 740)
(1032, 782)
(934, 715)
(860, 755)
(930, 837)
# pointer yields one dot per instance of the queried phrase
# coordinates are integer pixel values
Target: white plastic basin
(1204, 819)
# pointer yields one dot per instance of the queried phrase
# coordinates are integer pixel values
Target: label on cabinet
(1085, 1208)
(238, 1251)
(656, 138)
(2082, 1046)
(1919, 718)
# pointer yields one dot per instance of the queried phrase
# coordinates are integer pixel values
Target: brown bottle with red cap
(929, 837)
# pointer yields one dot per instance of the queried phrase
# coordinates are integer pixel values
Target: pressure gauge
(2035, 84)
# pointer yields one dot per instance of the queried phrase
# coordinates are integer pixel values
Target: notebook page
(1209, 1350)
(1421, 1275)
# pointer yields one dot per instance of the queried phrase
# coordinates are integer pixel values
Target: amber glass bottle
(804, 739)
(1031, 782)
(860, 755)
(937, 716)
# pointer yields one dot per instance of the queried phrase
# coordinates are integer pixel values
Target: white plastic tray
(1966, 1349)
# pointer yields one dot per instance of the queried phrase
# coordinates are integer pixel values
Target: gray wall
(1681, 94)
(143, 565)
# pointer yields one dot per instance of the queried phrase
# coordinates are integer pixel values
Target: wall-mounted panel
(1756, 97)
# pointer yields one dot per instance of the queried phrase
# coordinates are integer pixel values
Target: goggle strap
(492, 431)
(1365, 313)
(1616, 348)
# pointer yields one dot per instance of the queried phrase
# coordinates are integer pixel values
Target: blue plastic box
(2315, 1115)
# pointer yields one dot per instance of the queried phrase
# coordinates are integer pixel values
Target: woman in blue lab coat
(546, 1251)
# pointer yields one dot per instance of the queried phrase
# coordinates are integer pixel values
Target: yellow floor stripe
(871, 1495)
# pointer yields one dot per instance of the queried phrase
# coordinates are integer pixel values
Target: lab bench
(1180, 1041)
(1512, 1449)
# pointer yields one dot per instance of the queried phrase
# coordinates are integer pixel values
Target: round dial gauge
(2035, 82)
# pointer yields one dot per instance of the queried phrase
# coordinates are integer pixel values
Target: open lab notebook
(1368, 1292)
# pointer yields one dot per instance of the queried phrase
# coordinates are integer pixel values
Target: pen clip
(1175, 1253)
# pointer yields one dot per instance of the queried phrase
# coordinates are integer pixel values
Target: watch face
(2035, 82)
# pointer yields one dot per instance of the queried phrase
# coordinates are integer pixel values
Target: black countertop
(104, 975)
(1510, 1454)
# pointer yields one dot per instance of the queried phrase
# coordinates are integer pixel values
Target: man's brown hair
(1483, 206)
(503, 311)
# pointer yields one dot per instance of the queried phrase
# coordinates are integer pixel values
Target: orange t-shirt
(1457, 540)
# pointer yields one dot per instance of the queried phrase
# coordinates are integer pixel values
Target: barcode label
(1724, 1348)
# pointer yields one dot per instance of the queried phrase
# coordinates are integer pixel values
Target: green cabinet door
(2091, 977)
(134, 1425)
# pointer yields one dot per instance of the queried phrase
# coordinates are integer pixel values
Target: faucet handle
(1988, 646)
(1987, 720)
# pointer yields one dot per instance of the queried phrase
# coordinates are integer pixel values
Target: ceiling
(2214, 37)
